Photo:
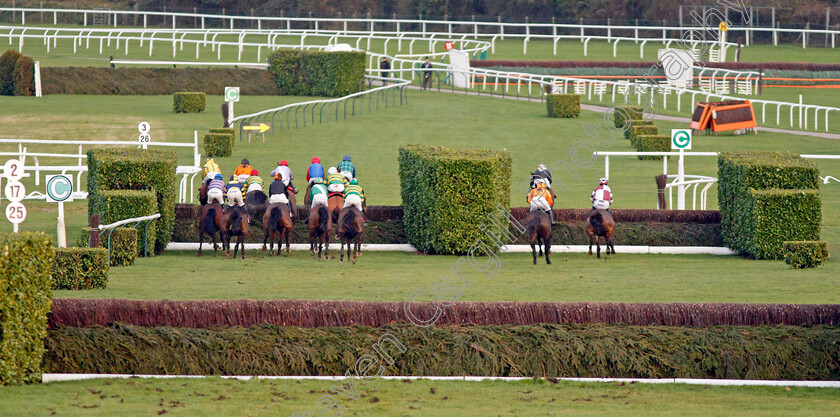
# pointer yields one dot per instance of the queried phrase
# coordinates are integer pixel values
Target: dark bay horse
(255, 198)
(235, 222)
(538, 228)
(319, 231)
(202, 192)
(277, 221)
(600, 224)
(350, 230)
(210, 222)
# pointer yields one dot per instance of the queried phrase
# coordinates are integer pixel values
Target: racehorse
(255, 198)
(349, 230)
(277, 221)
(319, 231)
(601, 224)
(236, 224)
(335, 203)
(202, 192)
(210, 222)
(538, 229)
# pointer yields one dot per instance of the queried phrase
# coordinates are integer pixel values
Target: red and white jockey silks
(602, 197)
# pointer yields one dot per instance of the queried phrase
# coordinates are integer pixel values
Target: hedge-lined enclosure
(124, 243)
(317, 73)
(116, 205)
(313, 313)
(154, 81)
(136, 169)
(449, 196)
(80, 269)
(549, 350)
(218, 144)
(17, 74)
(767, 198)
(563, 105)
(805, 254)
(189, 102)
(25, 291)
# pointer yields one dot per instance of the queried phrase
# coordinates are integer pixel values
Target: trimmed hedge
(25, 292)
(628, 132)
(767, 198)
(317, 73)
(642, 129)
(624, 114)
(189, 102)
(116, 205)
(124, 244)
(563, 105)
(136, 169)
(8, 62)
(448, 195)
(805, 254)
(218, 144)
(224, 130)
(547, 350)
(80, 268)
(651, 143)
(24, 76)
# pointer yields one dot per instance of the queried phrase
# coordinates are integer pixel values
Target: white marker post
(231, 96)
(14, 192)
(681, 140)
(60, 189)
(144, 137)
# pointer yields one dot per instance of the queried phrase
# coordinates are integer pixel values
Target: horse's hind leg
(200, 242)
(288, 236)
(598, 243)
(540, 243)
(359, 245)
(341, 251)
(534, 251)
(327, 245)
(548, 250)
(265, 241)
(241, 241)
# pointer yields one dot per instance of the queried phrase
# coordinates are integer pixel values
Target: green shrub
(136, 169)
(224, 130)
(25, 300)
(124, 243)
(80, 268)
(24, 76)
(563, 105)
(317, 73)
(189, 102)
(623, 114)
(651, 143)
(642, 129)
(628, 134)
(218, 144)
(448, 194)
(805, 254)
(8, 62)
(116, 205)
(767, 198)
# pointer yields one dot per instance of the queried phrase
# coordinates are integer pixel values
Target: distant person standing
(384, 66)
(427, 74)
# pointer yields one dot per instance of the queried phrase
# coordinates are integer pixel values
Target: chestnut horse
(236, 221)
(210, 222)
(601, 224)
(335, 202)
(350, 229)
(277, 221)
(538, 229)
(320, 224)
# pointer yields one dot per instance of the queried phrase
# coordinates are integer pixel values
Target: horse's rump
(323, 214)
(210, 221)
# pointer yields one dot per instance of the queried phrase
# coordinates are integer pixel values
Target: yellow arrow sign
(262, 127)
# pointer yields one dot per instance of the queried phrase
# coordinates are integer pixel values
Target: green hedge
(124, 243)
(224, 130)
(8, 62)
(218, 144)
(136, 169)
(767, 198)
(317, 73)
(628, 133)
(24, 76)
(542, 350)
(652, 143)
(805, 254)
(624, 114)
(25, 300)
(448, 194)
(641, 129)
(116, 205)
(563, 105)
(80, 268)
(192, 102)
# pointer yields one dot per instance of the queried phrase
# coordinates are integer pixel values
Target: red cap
(283, 162)
(315, 160)
(254, 172)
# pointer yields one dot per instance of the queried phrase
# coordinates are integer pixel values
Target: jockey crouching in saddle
(285, 173)
(354, 196)
(336, 182)
(216, 190)
(544, 195)
(278, 192)
(601, 197)
(317, 195)
(211, 168)
(254, 182)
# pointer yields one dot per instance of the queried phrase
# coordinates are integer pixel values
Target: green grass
(214, 396)
(382, 276)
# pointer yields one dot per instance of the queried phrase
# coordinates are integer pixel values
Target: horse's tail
(236, 227)
(349, 230)
(275, 218)
(323, 215)
(210, 221)
(531, 224)
(596, 221)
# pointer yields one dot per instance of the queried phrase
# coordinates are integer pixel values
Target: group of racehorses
(538, 230)
(278, 223)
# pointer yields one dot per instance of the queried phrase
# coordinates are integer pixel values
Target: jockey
(318, 193)
(540, 199)
(244, 168)
(285, 174)
(602, 196)
(216, 190)
(211, 168)
(335, 181)
(542, 174)
(234, 183)
(354, 196)
(316, 170)
(279, 193)
(254, 182)
(346, 166)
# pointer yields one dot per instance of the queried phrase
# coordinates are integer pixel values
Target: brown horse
(320, 224)
(335, 202)
(350, 229)
(210, 222)
(601, 224)
(538, 229)
(235, 222)
(277, 221)
(202, 192)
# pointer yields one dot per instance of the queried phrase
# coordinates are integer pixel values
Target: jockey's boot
(291, 211)
(551, 214)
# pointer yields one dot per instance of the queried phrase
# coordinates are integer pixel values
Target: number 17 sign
(14, 191)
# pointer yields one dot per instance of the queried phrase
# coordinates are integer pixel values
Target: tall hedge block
(563, 105)
(116, 205)
(8, 62)
(80, 268)
(25, 300)
(767, 198)
(317, 73)
(448, 194)
(189, 102)
(218, 144)
(135, 169)
(652, 143)
(24, 76)
(808, 254)
(624, 114)
(631, 124)
(124, 243)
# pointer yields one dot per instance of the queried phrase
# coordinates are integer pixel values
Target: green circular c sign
(681, 139)
(59, 188)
